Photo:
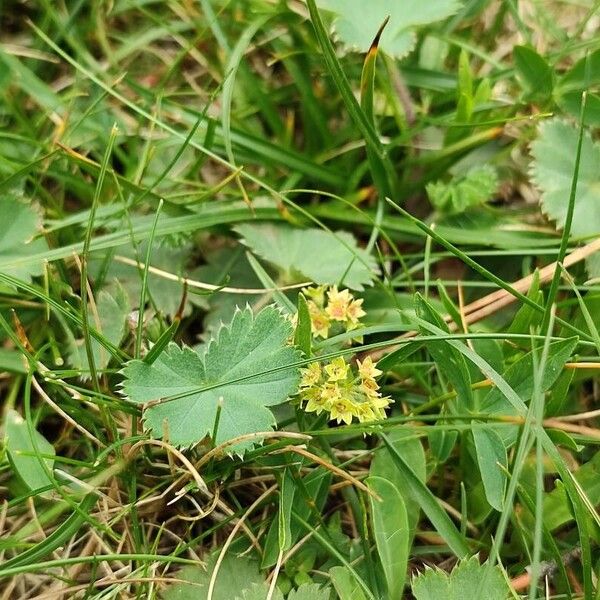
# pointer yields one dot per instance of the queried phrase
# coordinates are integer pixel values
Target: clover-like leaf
(17, 237)
(468, 579)
(321, 256)
(356, 24)
(248, 367)
(552, 172)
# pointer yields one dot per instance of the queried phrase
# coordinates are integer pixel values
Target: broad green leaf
(18, 236)
(557, 508)
(465, 581)
(284, 515)
(12, 360)
(312, 254)
(236, 574)
(391, 532)
(449, 360)
(428, 503)
(520, 377)
(356, 27)
(552, 172)
(491, 458)
(382, 466)
(491, 352)
(310, 591)
(20, 448)
(345, 584)
(535, 73)
(442, 442)
(112, 310)
(476, 187)
(247, 367)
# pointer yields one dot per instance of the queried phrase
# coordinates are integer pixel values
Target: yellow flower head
(338, 302)
(369, 387)
(310, 375)
(367, 369)
(336, 388)
(337, 369)
(365, 413)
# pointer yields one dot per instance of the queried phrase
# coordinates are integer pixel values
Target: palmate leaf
(17, 237)
(552, 172)
(465, 581)
(356, 24)
(246, 368)
(311, 253)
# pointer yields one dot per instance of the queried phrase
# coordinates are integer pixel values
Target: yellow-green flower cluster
(337, 389)
(329, 307)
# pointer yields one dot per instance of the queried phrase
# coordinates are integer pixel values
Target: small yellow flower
(319, 321)
(310, 375)
(354, 312)
(314, 401)
(381, 402)
(365, 413)
(342, 410)
(367, 369)
(337, 369)
(369, 387)
(337, 304)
